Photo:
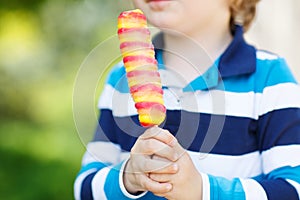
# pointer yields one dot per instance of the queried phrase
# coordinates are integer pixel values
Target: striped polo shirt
(239, 121)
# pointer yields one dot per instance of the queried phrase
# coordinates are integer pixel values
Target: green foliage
(42, 46)
(25, 177)
(13, 4)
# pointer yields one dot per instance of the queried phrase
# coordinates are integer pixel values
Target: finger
(165, 195)
(180, 151)
(164, 151)
(169, 169)
(148, 165)
(155, 187)
(162, 166)
(155, 147)
(160, 134)
(161, 178)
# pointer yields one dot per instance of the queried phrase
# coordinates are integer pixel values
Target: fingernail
(175, 167)
(168, 186)
(175, 156)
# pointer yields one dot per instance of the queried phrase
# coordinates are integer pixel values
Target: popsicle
(141, 67)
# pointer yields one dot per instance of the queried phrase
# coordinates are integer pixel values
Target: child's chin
(159, 5)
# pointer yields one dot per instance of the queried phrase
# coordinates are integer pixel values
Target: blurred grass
(26, 177)
(42, 46)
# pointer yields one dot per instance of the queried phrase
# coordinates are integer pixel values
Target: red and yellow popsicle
(141, 67)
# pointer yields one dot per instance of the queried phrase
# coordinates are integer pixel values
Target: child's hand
(186, 183)
(155, 141)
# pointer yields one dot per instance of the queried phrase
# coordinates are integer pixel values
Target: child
(243, 110)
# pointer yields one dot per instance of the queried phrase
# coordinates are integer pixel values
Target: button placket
(177, 93)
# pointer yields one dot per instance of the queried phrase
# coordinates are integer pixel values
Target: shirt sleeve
(278, 134)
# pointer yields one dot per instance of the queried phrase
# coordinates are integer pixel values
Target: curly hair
(242, 12)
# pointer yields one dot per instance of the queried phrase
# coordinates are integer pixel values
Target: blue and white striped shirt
(239, 121)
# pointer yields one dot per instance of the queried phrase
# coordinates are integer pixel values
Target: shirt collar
(238, 59)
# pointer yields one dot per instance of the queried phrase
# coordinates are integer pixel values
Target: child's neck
(190, 56)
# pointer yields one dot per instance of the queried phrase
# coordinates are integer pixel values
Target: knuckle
(150, 132)
(162, 190)
(142, 183)
(145, 168)
(152, 176)
(146, 134)
(146, 165)
(173, 169)
(168, 134)
(150, 146)
(145, 185)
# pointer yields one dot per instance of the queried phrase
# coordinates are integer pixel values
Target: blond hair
(242, 12)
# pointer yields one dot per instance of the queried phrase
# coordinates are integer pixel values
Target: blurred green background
(42, 46)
